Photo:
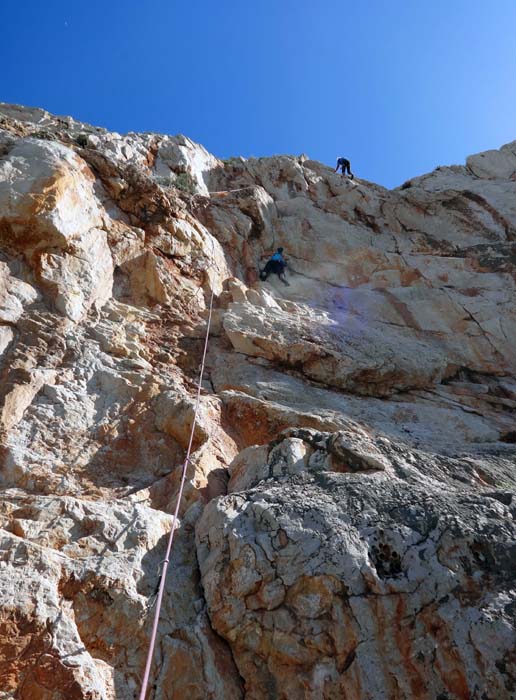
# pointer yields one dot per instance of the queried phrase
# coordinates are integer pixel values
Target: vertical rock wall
(347, 527)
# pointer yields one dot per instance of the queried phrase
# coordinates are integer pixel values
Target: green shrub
(185, 182)
(82, 140)
(43, 135)
(163, 180)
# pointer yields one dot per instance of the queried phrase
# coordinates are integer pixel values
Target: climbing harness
(165, 562)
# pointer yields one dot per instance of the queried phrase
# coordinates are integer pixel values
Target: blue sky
(397, 87)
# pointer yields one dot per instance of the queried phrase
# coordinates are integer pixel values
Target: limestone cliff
(347, 527)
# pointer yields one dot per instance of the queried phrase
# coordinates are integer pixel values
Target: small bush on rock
(82, 140)
(185, 182)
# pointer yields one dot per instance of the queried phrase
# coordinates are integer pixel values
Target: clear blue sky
(398, 87)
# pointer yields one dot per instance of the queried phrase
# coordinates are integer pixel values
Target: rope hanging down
(166, 560)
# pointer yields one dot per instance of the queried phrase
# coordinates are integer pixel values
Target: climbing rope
(166, 560)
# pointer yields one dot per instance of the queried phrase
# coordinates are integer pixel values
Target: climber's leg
(269, 267)
(346, 168)
(280, 271)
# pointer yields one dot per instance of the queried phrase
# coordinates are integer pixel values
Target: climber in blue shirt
(277, 264)
(345, 165)
(278, 255)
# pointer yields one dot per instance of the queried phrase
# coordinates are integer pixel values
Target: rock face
(347, 526)
(360, 585)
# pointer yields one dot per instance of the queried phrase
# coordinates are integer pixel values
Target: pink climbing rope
(165, 562)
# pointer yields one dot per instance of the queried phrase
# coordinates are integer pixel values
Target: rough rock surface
(360, 585)
(347, 527)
